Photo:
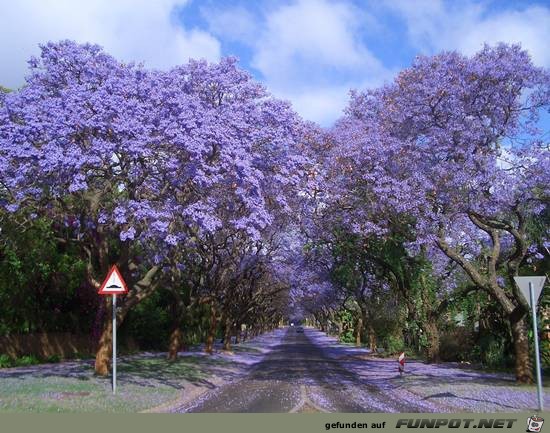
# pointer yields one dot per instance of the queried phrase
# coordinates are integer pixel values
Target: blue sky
(311, 52)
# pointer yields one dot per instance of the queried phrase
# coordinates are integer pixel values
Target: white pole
(537, 354)
(114, 344)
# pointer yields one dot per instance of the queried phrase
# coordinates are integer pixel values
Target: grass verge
(72, 387)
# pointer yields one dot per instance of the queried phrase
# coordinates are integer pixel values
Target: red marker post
(113, 285)
(401, 363)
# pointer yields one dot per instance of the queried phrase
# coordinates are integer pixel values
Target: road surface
(297, 376)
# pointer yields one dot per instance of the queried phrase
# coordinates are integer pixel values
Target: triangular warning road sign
(114, 283)
(536, 282)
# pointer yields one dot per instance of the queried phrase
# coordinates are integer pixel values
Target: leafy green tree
(41, 282)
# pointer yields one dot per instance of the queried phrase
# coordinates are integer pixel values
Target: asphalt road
(297, 376)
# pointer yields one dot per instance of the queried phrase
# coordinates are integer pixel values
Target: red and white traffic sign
(114, 283)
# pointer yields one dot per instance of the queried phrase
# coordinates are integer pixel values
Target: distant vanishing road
(297, 376)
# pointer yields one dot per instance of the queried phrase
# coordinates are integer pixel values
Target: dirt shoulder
(145, 382)
(444, 387)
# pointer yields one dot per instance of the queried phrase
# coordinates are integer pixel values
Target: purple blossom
(78, 183)
(120, 215)
(200, 151)
(171, 240)
(102, 219)
(128, 234)
(12, 207)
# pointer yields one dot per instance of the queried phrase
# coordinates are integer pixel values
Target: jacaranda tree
(130, 163)
(436, 149)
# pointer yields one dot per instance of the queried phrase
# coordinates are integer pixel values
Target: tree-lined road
(401, 227)
(297, 376)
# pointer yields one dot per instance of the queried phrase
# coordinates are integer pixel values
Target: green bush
(393, 344)
(458, 345)
(81, 355)
(149, 323)
(26, 360)
(41, 282)
(347, 337)
(53, 359)
(5, 361)
(494, 352)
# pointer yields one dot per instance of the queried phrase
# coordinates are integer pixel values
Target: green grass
(141, 384)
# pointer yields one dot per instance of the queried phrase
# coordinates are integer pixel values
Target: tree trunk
(176, 342)
(227, 335)
(358, 331)
(524, 373)
(545, 324)
(141, 290)
(105, 345)
(432, 350)
(212, 332)
(372, 337)
(411, 335)
(237, 334)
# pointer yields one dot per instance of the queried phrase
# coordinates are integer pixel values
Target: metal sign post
(536, 338)
(114, 344)
(114, 285)
(531, 288)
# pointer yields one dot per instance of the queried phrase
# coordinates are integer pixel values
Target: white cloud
(310, 52)
(322, 104)
(132, 30)
(235, 24)
(306, 51)
(434, 25)
(309, 31)
(311, 34)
